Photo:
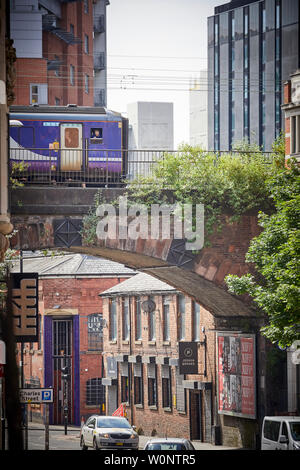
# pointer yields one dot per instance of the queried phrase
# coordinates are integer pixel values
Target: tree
(275, 254)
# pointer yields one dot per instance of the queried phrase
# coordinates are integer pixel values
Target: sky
(155, 51)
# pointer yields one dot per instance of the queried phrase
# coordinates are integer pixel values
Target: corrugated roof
(71, 264)
(140, 284)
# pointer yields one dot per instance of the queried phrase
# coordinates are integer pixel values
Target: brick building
(291, 108)
(61, 52)
(70, 331)
(142, 361)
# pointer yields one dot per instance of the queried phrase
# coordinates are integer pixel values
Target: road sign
(36, 395)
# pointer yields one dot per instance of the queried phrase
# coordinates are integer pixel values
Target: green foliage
(233, 182)
(275, 254)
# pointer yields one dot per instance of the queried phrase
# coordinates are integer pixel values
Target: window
(95, 332)
(39, 93)
(166, 319)
(196, 321)
(181, 317)
(278, 68)
(138, 383)
(86, 6)
(152, 324)
(152, 385)
(95, 392)
(124, 389)
(113, 320)
(246, 75)
(86, 44)
(125, 320)
(166, 387)
(96, 135)
(72, 75)
(231, 78)
(262, 74)
(138, 319)
(216, 84)
(57, 101)
(86, 83)
(72, 29)
(271, 430)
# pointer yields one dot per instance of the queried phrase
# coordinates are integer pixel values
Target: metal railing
(97, 167)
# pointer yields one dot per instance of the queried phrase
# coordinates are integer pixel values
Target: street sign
(2, 352)
(36, 395)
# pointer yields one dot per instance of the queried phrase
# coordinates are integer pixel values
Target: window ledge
(113, 342)
(139, 405)
(168, 409)
(153, 407)
(166, 343)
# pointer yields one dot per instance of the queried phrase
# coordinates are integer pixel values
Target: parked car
(280, 433)
(169, 444)
(108, 432)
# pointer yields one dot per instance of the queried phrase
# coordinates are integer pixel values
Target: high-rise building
(198, 111)
(253, 47)
(61, 51)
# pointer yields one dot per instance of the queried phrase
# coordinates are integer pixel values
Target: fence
(96, 167)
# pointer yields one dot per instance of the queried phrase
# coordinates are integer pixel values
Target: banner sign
(24, 298)
(236, 374)
(188, 357)
(121, 411)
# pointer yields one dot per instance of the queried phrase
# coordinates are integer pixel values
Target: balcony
(99, 24)
(99, 61)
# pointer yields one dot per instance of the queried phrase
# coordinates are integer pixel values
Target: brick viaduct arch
(201, 276)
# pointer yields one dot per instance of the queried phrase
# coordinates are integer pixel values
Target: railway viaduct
(52, 218)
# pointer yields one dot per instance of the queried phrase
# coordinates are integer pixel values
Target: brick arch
(201, 275)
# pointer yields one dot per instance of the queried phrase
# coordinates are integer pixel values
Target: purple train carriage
(68, 143)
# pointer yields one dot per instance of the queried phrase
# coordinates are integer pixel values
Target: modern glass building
(253, 47)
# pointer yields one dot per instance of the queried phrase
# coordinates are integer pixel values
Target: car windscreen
(170, 446)
(112, 423)
(295, 430)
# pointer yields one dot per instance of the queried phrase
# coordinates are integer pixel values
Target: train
(68, 142)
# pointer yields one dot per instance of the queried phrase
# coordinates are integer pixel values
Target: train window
(96, 135)
(71, 137)
(26, 137)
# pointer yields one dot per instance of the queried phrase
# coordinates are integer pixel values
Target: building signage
(24, 297)
(112, 367)
(236, 374)
(188, 358)
(36, 395)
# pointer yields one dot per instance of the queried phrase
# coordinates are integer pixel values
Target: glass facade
(253, 48)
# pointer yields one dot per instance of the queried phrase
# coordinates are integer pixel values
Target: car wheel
(82, 444)
(95, 444)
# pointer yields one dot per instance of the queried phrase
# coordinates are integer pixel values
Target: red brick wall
(81, 294)
(30, 70)
(173, 422)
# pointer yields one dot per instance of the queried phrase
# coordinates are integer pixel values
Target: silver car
(169, 444)
(108, 432)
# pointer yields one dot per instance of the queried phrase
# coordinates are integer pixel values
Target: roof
(71, 265)
(140, 284)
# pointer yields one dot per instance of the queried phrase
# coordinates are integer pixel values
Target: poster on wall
(236, 374)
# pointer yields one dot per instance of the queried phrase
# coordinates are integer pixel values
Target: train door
(71, 155)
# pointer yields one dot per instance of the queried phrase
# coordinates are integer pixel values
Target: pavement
(143, 439)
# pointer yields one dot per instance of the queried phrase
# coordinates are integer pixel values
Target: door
(62, 371)
(71, 154)
(196, 429)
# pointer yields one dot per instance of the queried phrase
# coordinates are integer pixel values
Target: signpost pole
(47, 427)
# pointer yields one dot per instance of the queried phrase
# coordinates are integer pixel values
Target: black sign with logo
(188, 358)
(24, 300)
(112, 367)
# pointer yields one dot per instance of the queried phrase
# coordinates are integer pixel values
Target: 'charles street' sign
(188, 358)
(24, 299)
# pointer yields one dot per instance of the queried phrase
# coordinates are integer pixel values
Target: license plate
(119, 443)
